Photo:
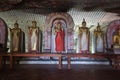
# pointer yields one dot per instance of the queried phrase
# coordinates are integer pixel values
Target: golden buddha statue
(116, 39)
(15, 38)
(99, 39)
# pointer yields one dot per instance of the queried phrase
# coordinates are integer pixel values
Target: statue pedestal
(116, 49)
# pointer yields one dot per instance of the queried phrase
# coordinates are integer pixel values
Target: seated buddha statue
(116, 39)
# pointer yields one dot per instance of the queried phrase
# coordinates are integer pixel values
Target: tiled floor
(50, 72)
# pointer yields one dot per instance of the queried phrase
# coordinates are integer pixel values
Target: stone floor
(50, 72)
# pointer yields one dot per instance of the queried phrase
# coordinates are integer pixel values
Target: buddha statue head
(34, 23)
(98, 27)
(16, 25)
(84, 23)
(59, 25)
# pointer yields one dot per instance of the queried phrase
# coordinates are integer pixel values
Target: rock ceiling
(47, 6)
(93, 11)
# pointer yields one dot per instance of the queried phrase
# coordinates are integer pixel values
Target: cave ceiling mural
(93, 11)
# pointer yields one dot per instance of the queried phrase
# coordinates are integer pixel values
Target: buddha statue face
(59, 25)
(98, 28)
(84, 24)
(16, 25)
(34, 23)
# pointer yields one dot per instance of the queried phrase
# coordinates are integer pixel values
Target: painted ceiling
(93, 11)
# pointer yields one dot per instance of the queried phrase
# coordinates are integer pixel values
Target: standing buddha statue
(99, 39)
(15, 38)
(84, 35)
(34, 38)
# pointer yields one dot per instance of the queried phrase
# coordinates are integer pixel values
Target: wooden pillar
(60, 62)
(11, 61)
(69, 63)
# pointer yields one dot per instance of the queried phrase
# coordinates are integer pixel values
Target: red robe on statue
(59, 40)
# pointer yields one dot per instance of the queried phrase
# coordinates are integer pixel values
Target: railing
(113, 58)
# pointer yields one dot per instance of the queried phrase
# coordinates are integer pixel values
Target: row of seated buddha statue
(35, 39)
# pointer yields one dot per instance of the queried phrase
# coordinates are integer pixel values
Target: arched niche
(3, 33)
(49, 37)
(112, 27)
